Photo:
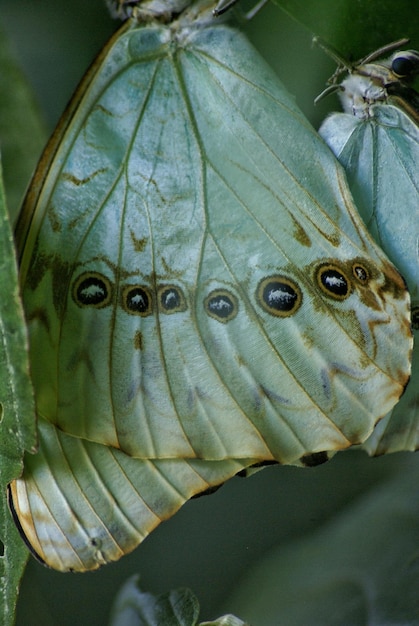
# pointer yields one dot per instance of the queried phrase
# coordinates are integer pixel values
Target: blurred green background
(214, 542)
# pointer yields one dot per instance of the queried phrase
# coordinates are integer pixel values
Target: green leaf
(226, 620)
(180, 607)
(21, 130)
(17, 424)
(134, 607)
(22, 138)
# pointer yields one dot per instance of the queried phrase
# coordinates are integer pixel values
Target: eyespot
(279, 296)
(360, 273)
(415, 317)
(222, 305)
(137, 300)
(92, 289)
(333, 282)
(171, 299)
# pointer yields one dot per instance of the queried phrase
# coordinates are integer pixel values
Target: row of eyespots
(278, 295)
(92, 289)
(334, 282)
(138, 300)
(281, 296)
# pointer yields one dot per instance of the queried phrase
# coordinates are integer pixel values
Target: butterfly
(377, 142)
(200, 292)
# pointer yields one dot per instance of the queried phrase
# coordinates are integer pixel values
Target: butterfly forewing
(199, 289)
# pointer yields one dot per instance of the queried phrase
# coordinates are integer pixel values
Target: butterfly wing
(83, 504)
(380, 155)
(199, 289)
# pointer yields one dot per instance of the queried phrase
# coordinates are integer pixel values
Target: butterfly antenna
(225, 5)
(394, 45)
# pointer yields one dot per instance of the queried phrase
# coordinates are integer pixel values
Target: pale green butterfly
(201, 294)
(377, 141)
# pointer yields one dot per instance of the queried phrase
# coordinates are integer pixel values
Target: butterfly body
(199, 299)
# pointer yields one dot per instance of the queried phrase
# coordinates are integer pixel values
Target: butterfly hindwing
(82, 504)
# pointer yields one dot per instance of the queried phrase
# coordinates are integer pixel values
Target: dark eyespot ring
(137, 300)
(333, 281)
(171, 299)
(222, 305)
(92, 289)
(360, 273)
(279, 296)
